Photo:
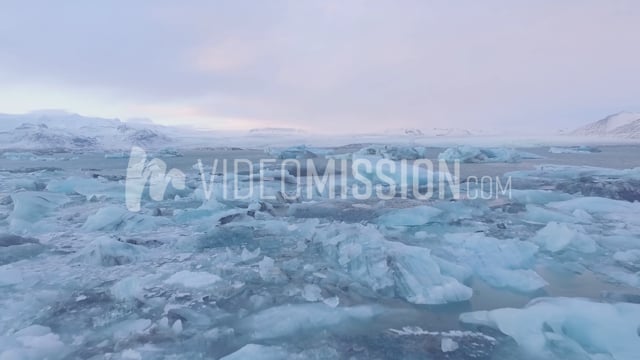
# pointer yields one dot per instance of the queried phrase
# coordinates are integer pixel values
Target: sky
(326, 66)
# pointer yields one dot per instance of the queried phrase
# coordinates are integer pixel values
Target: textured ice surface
(188, 278)
(568, 328)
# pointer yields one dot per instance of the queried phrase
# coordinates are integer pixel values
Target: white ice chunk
(29, 207)
(411, 272)
(448, 345)
(556, 237)
(332, 301)
(191, 279)
(129, 288)
(268, 270)
(177, 327)
(501, 263)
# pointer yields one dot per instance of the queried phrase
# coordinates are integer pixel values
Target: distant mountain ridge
(62, 130)
(622, 125)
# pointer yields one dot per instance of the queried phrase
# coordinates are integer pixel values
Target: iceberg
(29, 207)
(410, 272)
(567, 328)
(501, 263)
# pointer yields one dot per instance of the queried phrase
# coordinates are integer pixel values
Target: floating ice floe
(567, 328)
(574, 150)
(470, 154)
(392, 152)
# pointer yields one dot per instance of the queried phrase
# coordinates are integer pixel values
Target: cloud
(334, 64)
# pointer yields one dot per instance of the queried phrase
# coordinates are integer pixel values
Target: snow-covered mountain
(623, 125)
(62, 130)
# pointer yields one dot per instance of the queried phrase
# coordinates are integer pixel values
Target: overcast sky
(325, 65)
